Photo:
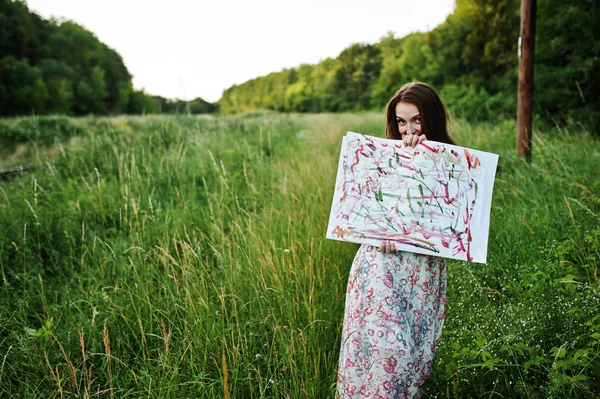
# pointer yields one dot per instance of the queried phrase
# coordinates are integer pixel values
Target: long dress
(395, 310)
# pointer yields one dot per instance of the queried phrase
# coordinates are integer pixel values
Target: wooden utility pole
(526, 62)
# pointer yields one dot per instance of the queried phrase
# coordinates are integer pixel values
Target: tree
(141, 103)
(200, 106)
(390, 78)
(418, 61)
(359, 67)
(60, 96)
(81, 50)
(59, 81)
(92, 93)
(22, 33)
(567, 71)
(117, 79)
(22, 89)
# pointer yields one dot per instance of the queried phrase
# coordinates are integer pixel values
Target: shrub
(40, 129)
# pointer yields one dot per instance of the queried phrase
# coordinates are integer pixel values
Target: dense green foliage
(195, 106)
(60, 67)
(39, 130)
(185, 257)
(471, 58)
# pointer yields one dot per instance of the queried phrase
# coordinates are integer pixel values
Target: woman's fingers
(382, 246)
(415, 141)
(411, 140)
(387, 247)
(391, 247)
(405, 139)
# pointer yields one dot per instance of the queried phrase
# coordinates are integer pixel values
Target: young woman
(395, 301)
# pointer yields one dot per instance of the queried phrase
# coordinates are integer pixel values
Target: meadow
(176, 257)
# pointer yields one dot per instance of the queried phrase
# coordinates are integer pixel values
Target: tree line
(471, 59)
(59, 67)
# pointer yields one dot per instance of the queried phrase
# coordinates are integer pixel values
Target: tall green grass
(185, 257)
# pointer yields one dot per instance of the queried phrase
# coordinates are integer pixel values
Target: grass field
(165, 257)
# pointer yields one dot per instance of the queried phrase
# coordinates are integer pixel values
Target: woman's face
(408, 118)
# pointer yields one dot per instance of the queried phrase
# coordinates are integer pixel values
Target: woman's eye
(401, 122)
(418, 120)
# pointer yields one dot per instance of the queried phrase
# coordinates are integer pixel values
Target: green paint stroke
(379, 195)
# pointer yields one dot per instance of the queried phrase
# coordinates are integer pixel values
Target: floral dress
(395, 310)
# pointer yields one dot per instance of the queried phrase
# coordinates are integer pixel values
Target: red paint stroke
(472, 160)
(446, 197)
(370, 143)
(436, 150)
(338, 231)
(360, 150)
(462, 246)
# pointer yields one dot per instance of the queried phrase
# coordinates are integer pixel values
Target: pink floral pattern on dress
(395, 310)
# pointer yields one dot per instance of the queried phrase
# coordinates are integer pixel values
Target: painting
(434, 199)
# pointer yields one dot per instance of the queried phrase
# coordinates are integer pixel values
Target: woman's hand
(411, 140)
(387, 247)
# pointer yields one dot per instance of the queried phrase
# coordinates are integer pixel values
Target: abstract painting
(433, 199)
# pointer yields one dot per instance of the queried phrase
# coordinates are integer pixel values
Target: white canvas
(433, 199)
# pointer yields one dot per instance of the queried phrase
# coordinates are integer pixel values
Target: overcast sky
(187, 49)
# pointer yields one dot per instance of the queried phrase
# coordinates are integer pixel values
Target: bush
(474, 104)
(40, 129)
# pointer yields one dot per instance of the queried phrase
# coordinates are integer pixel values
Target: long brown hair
(434, 115)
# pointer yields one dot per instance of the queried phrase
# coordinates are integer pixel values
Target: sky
(198, 48)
